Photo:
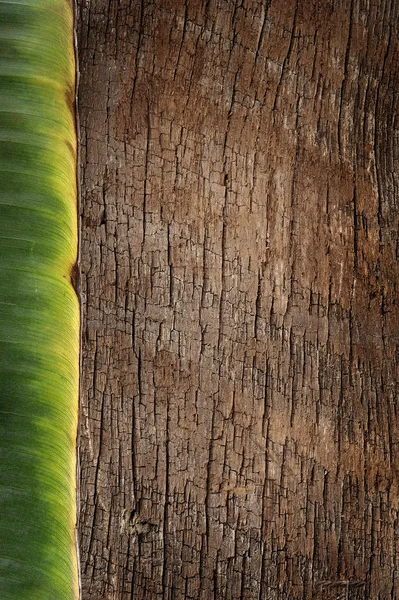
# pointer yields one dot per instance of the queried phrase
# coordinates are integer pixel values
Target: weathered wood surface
(239, 420)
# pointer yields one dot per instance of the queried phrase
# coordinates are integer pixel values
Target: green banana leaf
(39, 310)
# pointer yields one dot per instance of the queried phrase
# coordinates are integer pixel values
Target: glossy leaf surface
(39, 313)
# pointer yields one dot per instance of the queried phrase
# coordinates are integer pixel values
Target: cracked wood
(239, 412)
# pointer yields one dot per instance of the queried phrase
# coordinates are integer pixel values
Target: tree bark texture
(240, 209)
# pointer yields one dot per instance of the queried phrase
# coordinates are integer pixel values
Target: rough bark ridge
(239, 427)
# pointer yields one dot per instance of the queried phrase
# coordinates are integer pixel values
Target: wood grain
(239, 412)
